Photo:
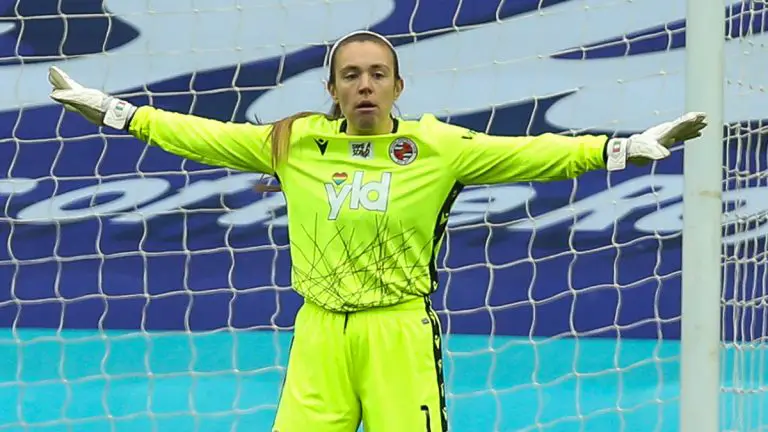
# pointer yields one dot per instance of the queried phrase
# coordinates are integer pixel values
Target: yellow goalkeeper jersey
(367, 214)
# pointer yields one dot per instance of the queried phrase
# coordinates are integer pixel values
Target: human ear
(332, 91)
(399, 87)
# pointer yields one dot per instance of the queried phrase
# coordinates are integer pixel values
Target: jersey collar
(395, 125)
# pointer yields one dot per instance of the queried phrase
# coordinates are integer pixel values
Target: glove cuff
(616, 154)
(118, 113)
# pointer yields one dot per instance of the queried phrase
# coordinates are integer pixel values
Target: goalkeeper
(368, 197)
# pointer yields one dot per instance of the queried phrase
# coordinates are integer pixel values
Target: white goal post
(140, 291)
(702, 219)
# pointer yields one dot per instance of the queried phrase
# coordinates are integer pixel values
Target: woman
(368, 198)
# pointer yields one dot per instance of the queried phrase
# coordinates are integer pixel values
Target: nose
(364, 84)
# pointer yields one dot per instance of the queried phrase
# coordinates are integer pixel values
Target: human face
(365, 86)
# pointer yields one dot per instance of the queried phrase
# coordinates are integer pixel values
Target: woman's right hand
(96, 106)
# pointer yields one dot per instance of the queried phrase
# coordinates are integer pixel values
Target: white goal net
(140, 291)
(744, 326)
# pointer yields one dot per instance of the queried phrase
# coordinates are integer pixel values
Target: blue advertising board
(120, 236)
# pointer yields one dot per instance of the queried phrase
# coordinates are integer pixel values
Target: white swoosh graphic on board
(499, 63)
(219, 34)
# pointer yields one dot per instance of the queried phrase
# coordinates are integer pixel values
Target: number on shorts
(426, 414)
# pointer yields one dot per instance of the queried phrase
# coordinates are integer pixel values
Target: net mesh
(743, 314)
(141, 291)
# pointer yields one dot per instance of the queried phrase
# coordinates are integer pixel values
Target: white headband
(355, 33)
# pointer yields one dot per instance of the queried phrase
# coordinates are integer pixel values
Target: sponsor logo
(361, 150)
(371, 195)
(322, 144)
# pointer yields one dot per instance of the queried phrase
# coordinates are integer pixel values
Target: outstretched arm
(486, 159)
(478, 158)
(239, 146)
(243, 147)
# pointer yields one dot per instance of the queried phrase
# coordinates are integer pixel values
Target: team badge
(403, 151)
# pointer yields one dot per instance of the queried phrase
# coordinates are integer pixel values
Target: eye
(350, 76)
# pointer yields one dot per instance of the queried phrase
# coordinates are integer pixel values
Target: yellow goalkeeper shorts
(381, 367)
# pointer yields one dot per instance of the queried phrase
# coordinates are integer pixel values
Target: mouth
(365, 107)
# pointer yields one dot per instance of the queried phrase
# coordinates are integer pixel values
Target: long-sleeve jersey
(367, 214)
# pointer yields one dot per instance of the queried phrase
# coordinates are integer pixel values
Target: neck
(383, 127)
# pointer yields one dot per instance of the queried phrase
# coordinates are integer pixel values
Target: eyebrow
(373, 66)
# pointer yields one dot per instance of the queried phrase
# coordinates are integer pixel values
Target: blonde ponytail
(279, 139)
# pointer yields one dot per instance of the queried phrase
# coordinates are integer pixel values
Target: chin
(369, 125)
(366, 126)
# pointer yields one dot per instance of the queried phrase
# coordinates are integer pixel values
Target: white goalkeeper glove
(653, 143)
(96, 106)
